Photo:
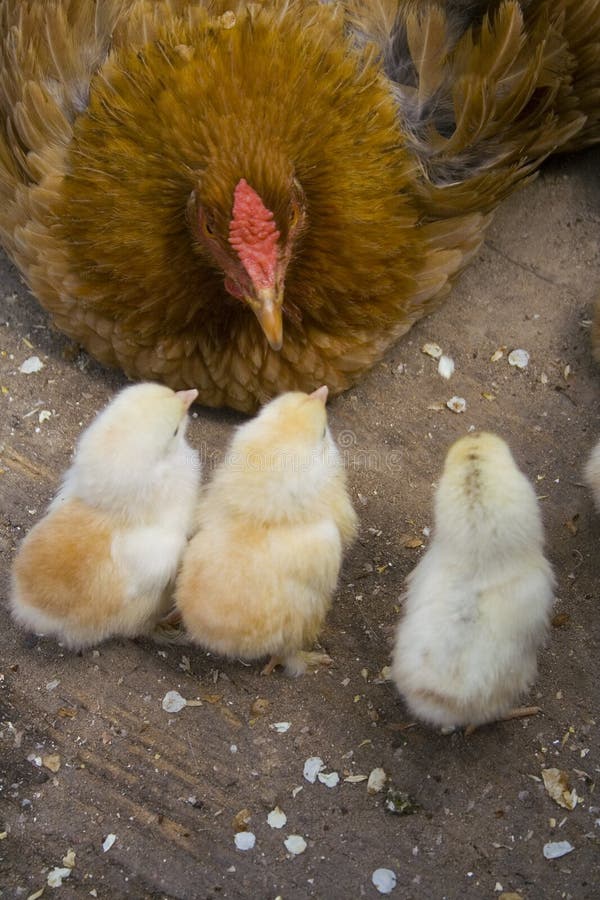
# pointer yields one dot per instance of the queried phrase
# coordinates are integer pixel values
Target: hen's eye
(294, 215)
(208, 229)
(176, 432)
(324, 435)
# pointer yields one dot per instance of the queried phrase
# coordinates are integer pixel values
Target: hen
(250, 198)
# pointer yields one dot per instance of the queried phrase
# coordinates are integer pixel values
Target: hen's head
(252, 245)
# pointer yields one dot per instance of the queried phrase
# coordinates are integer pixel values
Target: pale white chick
(103, 560)
(258, 577)
(592, 473)
(478, 604)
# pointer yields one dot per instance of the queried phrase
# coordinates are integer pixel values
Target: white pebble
(32, 364)
(330, 779)
(173, 702)
(245, 840)
(295, 844)
(446, 367)
(276, 818)
(56, 876)
(519, 358)
(280, 727)
(312, 767)
(556, 849)
(108, 842)
(376, 781)
(457, 404)
(384, 880)
(431, 349)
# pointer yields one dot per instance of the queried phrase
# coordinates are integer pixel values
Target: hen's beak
(267, 309)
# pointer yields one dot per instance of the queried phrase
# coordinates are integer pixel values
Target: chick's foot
(272, 664)
(298, 663)
(170, 629)
(172, 618)
(520, 712)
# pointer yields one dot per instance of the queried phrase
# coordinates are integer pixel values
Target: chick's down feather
(103, 560)
(477, 605)
(258, 576)
(253, 198)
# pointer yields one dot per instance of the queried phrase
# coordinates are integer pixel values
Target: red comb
(254, 235)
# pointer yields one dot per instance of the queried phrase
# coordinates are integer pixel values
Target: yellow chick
(592, 473)
(478, 603)
(258, 576)
(103, 560)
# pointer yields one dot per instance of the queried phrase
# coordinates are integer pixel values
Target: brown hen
(249, 198)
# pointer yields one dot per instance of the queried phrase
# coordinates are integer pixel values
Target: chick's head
(484, 502)
(280, 463)
(131, 445)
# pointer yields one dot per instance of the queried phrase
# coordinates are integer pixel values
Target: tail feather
(582, 30)
(485, 86)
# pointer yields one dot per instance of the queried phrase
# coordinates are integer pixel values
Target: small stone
(330, 779)
(51, 762)
(295, 844)
(32, 364)
(108, 842)
(376, 782)
(173, 702)
(312, 767)
(276, 818)
(518, 358)
(280, 727)
(384, 880)
(457, 404)
(245, 840)
(56, 876)
(259, 707)
(446, 367)
(431, 349)
(556, 849)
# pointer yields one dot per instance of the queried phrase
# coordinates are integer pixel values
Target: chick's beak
(187, 397)
(320, 394)
(267, 309)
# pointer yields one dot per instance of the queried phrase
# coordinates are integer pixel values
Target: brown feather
(405, 124)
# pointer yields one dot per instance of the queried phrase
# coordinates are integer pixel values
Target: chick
(258, 576)
(478, 603)
(101, 561)
(596, 330)
(592, 473)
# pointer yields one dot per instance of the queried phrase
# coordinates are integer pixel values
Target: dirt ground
(169, 785)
